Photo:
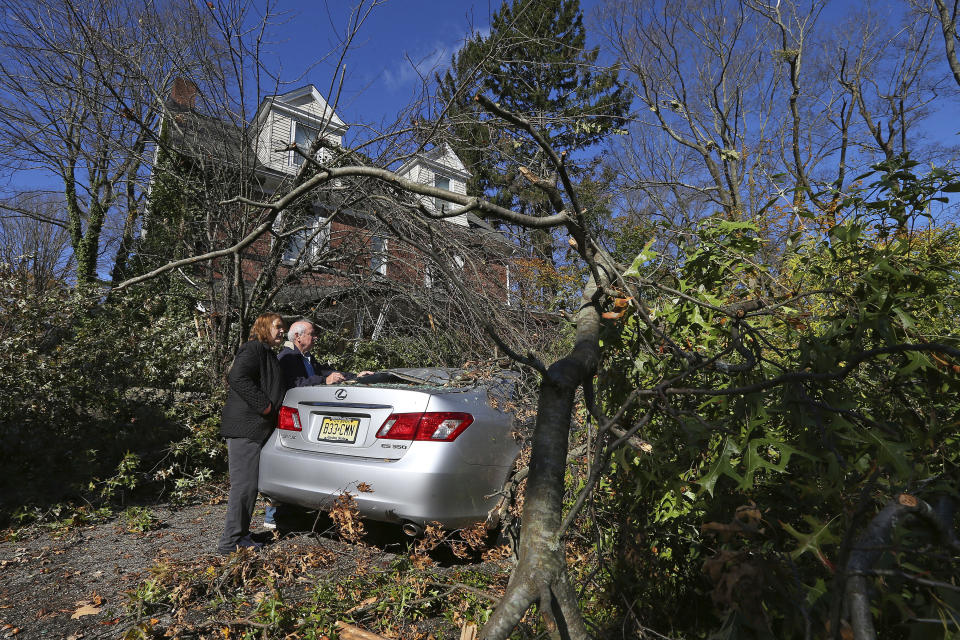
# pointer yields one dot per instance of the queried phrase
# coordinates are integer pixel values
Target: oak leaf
(85, 610)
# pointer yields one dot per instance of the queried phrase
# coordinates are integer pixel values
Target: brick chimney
(184, 93)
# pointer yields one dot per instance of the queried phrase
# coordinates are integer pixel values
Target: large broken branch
(871, 545)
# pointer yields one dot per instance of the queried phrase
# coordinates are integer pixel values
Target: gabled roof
(440, 159)
(321, 115)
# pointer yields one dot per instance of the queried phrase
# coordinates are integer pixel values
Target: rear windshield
(435, 379)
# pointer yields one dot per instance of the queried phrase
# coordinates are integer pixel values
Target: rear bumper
(429, 483)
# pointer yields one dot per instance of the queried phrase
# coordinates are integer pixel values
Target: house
(349, 244)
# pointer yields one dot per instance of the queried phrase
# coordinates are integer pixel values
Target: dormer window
(304, 136)
(296, 117)
(441, 168)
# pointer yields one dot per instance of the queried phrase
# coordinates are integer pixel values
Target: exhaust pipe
(412, 529)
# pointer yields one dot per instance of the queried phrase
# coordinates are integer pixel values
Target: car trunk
(344, 420)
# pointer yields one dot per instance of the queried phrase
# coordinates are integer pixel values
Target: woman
(249, 416)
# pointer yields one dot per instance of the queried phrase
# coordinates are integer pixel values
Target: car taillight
(289, 419)
(434, 426)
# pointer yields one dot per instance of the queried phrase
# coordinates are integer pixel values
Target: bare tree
(727, 119)
(81, 89)
(947, 16)
(34, 242)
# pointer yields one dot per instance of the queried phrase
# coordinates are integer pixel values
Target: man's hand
(364, 373)
(335, 377)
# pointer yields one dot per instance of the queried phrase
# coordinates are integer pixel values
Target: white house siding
(263, 143)
(423, 174)
(281, 132)
(312, 107)
(274, 135)
(278, 133)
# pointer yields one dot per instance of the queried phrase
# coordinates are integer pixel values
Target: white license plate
(338, 429)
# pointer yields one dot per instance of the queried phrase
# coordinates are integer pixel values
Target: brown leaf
(85, 610)
(363, 487)
(613, 315)
(361, 604)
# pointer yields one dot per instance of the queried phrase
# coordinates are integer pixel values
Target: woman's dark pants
(244, 457)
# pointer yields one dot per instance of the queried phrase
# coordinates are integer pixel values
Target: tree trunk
(541, 573)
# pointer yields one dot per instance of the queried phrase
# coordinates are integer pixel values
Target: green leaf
(811, 542)
(905, 318)
(817, 591)
(732, 225)
(720, 466)
(645, 256)
(891, 452)
(755, 461)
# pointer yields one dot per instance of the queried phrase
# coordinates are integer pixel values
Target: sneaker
(269, 525)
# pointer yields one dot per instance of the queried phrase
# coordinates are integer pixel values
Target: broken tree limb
(871, 545)
(350, 632)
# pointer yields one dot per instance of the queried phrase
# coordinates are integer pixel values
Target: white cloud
(410, 68)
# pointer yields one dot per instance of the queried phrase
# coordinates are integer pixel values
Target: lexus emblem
(340, 394)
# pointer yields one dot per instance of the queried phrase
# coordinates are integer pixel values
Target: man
(300, 369)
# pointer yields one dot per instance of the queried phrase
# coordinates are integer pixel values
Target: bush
(66, 365)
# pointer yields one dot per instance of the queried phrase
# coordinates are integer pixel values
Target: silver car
(412, 446)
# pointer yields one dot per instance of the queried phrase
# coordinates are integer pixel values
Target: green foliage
(140, 520)
(533, 61)
(814, 408)
(125, 477)
(78, 381)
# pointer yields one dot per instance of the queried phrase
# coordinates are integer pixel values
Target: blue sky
(400, 39)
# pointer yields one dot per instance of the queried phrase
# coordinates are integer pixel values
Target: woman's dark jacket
(255, 382)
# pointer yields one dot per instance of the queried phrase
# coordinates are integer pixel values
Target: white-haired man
(300, 368)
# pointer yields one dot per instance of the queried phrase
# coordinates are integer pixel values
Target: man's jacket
(295, 371)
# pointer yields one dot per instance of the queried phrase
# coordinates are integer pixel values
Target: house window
(378, 255)
(304, 136)
(308, 244)
(439, 204)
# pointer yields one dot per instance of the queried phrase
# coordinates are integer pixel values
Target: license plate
(338, 429)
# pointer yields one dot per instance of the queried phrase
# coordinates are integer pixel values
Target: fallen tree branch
(871, 545)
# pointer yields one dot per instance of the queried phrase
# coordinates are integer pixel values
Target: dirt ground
(73, 583)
